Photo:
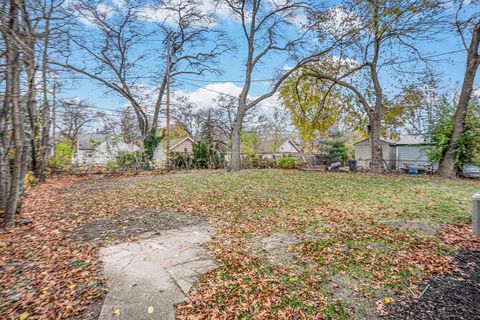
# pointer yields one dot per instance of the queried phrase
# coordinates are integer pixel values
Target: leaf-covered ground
(361, 241)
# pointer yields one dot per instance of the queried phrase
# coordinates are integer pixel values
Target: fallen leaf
(23, 316)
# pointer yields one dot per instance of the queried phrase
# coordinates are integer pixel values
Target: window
(89, 154)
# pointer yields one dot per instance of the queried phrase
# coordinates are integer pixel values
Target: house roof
(268, 146)
(408, 139)
(87, 141)
(176, 142)
(411, 139)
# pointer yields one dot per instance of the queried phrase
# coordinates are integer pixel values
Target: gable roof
(176, 142)
(268, 146)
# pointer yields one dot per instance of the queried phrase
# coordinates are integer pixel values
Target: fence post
(476, 214)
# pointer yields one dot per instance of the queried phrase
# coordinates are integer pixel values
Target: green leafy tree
(250, 143)
(467, 148)
(63, 155)
(207, 153)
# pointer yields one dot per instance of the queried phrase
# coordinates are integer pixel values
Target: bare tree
(13, 134)
(469, 25)
(39, 19)
(73, 118)
(193, 43)
(266, 26)
(115, 54)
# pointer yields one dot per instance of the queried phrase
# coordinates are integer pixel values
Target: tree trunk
(448, 167)
(376, 152)
(235, 159)
(13, 57)
(375, 117)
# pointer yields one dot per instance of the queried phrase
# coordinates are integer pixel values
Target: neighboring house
(273, 149)
(410, 152)
(182, 145)
(99, 149)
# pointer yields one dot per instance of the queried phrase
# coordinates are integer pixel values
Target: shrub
(257, 162)
(287, 163)
(208, 155)
(111, 167)
(179, 160)
(127, 161)
(62, 158)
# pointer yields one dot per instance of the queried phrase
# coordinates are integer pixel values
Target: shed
(409, 152)
(412, 153)
(363, 154)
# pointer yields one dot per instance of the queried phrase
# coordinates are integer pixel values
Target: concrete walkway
(147, 278)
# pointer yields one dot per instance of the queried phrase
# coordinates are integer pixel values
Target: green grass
(410, 197)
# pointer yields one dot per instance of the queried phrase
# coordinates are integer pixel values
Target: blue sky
(451, 68)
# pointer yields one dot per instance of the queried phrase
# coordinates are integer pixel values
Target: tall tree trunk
(235, 159)
(375, 117)
(376, 146)
(448, 167)
(13, 57)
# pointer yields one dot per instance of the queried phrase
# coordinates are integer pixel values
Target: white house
(272, 149)
(98, 149)
(409, 152)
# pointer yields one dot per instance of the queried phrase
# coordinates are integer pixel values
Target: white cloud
(162, 14)
(203, 98)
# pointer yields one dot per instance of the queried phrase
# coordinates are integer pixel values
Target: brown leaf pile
(43, 274)
(460, 236)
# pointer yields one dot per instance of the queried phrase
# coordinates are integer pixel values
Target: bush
(111, 167)
(179, 160)
(257, 162)
(208, 155)
(128, 161)
(62, 158)
(287, 163)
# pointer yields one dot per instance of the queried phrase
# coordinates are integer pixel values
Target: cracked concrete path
(147, 278)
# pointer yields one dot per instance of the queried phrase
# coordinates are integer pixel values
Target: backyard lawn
(288, 244)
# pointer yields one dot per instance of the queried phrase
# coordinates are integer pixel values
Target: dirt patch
(104, 184)
(349, 291)
(277, 248)
(131, 224)
(452, 296)
(418, 226)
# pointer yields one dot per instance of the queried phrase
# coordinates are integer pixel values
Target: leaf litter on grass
(47, 273)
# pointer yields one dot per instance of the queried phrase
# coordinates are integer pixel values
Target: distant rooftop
(408, 139)
(86, 141)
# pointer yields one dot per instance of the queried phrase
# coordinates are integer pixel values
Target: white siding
(412, 155)
(103, 153)
(363, 154)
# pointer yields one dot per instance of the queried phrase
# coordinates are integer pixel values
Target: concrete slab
(147, 278)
